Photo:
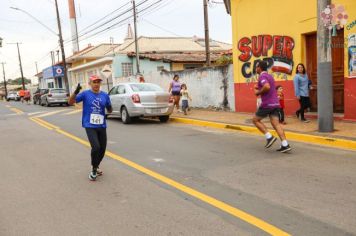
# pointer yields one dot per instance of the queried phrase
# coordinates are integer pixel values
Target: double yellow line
(268, 228)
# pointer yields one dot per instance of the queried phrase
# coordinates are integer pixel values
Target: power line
(168, 31)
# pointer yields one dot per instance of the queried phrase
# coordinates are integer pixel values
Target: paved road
(308, 192)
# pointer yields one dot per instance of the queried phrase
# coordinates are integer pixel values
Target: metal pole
(136, 43)
(206, 26)
(36, 67)
(3, 71)
(325, 88)
(65, 77)
(22, 78)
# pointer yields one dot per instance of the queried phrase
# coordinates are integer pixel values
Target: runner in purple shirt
(269, 107)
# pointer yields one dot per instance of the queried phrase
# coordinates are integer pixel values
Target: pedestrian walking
(93, 120)
(27, 96)
(302, 86)
(280, 95)
(269, 107)
(22, 94)
(185, 96)
(174, 89)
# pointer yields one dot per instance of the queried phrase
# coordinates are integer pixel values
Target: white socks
(284, 143)
(268, 135)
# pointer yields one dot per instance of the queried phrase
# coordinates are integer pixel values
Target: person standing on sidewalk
(93, 120)
(301, 89)
(280, 95)
(174, 89)
(269, 107)
(185, 96)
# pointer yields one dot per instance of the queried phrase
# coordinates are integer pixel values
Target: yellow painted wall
(279, 17)
(81, 62)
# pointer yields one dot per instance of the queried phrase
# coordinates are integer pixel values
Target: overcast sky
(166, 18)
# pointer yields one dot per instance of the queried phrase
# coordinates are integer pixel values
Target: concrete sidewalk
(343, 129)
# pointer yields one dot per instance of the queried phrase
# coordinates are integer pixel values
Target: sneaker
(92, 176)
(305, 121)
(270, 141)
(284, 149)
(99, 172)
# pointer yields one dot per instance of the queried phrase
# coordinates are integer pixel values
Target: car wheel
(125, 117)
(163, 119)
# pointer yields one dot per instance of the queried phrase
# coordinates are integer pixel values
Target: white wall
(204, 84)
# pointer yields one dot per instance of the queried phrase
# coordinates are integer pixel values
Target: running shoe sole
(271, 142)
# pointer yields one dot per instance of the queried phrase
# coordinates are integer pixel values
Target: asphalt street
(46, 191)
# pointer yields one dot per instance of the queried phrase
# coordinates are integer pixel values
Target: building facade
(283, 33)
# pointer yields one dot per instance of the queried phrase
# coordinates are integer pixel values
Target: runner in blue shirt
(93, 120)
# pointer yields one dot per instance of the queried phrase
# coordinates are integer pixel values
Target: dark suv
(37, 95)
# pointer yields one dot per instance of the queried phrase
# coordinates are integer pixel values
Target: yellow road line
(40, 123)
(46, 123)
(268, 228)
(73, 112)
(17, 111)
(51, 113)
(306, 138)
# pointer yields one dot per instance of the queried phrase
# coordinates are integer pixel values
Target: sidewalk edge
(306, 138)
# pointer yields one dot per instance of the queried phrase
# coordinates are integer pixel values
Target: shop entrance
(337, 68)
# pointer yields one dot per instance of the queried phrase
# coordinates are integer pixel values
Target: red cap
(94, 77)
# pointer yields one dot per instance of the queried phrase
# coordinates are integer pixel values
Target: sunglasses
(96, 81)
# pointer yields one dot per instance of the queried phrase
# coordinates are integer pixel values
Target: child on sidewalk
(185, 96)
(280, 95)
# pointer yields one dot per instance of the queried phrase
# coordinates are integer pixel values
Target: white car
(12, 95)
(134, 100)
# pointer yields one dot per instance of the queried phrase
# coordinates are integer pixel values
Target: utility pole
(65, 77)
(136, 43)
(36, 67)
(22, 78)
(3, 71)
(206, 27)
(325, 89)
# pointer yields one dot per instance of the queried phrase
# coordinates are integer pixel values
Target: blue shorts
(185, 104)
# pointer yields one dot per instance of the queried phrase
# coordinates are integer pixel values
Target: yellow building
(283, 33)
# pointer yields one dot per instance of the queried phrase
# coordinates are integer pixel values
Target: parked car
(133, 100)
(12, 95)
(37, 95)
(54, 96)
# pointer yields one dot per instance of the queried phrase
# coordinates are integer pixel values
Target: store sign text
(260, 46)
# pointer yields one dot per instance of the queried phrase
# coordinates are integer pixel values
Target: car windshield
(145, 88)
(58, 91)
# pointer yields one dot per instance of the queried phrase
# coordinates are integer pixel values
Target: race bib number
(96, 119)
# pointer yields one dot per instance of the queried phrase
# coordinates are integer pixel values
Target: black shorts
(264, 112)
(176, 93)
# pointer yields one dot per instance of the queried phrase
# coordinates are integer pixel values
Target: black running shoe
(284, 149)
(270, 141)
(92, 175)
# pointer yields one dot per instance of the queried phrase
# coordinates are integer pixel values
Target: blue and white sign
(53, 72)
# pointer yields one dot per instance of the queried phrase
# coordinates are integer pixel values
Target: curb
(305, 138)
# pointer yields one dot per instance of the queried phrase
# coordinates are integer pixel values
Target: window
(113, 91)
(50, 85)
(121, 90)
(58, 91)
(145, 88)
(127, 69)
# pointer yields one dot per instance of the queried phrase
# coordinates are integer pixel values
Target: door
(337, 52)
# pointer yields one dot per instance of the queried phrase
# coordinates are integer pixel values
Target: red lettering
(245, 49)
(267, 44)
(277, 45)
(288, 46)
(257, 45)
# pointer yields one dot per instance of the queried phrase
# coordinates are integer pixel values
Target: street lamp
(38, 21)
(59, 35)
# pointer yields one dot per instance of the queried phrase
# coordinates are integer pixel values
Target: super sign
(259, 46)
